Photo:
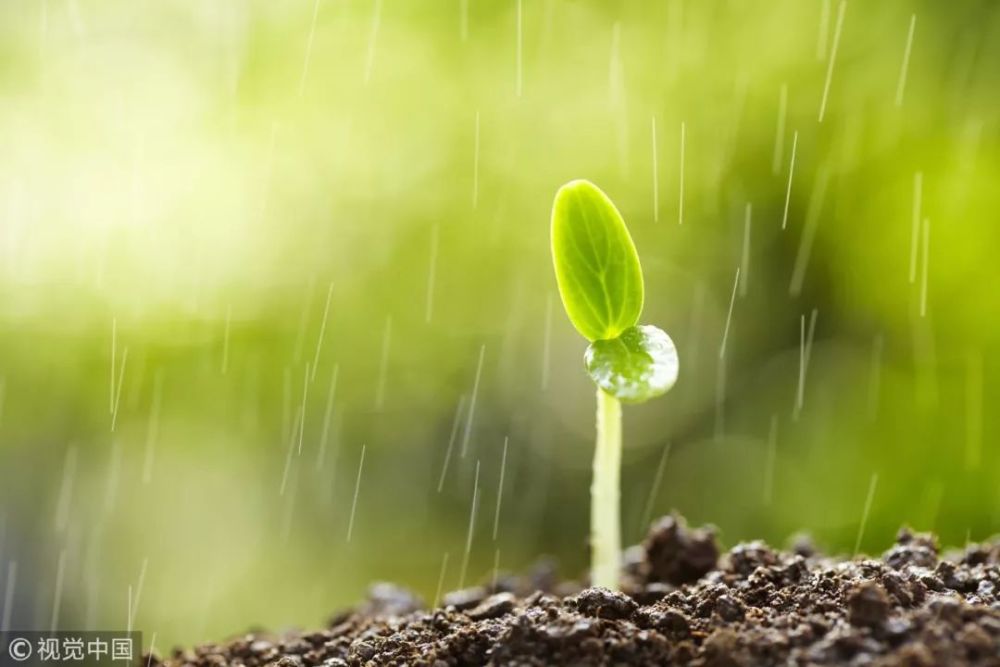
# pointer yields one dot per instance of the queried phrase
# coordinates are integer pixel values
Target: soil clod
(493, 606)
(677, 555)
(602, 603)
(868, 605)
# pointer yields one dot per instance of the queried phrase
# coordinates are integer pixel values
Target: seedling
(600, 282)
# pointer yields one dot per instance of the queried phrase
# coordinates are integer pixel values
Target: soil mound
(683, 603)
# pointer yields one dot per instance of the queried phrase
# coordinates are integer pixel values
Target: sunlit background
(244, 244)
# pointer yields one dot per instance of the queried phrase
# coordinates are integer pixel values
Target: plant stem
(605, 531)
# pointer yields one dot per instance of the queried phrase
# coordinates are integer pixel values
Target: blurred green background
(212, 213)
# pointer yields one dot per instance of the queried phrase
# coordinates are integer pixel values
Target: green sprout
(600, 282)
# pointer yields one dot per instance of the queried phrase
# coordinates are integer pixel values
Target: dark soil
(684, 604)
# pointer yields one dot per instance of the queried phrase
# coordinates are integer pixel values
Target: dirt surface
(684, 604)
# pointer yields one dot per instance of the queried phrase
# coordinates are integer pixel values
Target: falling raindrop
(322, 331)
(134, 599)
(357, 491)
(451, 441)
(58, 593)
(867, 510)
(325, 433)
(503, 468)
(118, 389)
(791, 173)
(472, 403)
(729, 316)
(440, 584)
(809, 232)
(901, 86)
(833, 57)
(654, 491)
(472, 527)
(309, 47)
(745, 257)
(805, 352)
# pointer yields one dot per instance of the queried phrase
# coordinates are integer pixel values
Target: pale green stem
(605, 531)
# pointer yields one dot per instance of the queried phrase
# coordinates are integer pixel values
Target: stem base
(605, 494)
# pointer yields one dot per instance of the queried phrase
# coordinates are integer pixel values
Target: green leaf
(638, 365)
(597, 268)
